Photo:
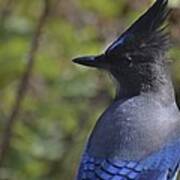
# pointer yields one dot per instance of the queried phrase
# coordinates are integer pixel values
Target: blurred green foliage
(63, 100)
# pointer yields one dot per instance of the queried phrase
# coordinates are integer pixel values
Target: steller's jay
(138, 136)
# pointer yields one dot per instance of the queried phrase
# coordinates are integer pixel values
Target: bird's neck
(156, 81)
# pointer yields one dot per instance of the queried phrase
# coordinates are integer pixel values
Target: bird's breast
(132, 129)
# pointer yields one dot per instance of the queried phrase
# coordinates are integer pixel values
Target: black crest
(147, 34)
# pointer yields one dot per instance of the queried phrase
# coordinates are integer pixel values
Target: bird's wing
(162, 165)
(123, 170)
(146, 34)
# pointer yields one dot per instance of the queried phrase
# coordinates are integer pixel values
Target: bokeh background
(43, 140)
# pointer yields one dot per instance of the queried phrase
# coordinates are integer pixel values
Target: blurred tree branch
(21, 91)
(5, 10)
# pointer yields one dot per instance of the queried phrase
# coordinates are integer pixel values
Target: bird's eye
(128, 59)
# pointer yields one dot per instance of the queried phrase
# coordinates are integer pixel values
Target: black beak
(91, 61)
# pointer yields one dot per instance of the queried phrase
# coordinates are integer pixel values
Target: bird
(138, 135)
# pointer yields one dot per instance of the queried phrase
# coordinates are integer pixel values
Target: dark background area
(48, 104)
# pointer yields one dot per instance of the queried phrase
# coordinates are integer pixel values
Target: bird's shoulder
(139, 110)
(142, 107)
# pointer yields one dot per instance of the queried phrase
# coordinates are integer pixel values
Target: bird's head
(137, 57)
